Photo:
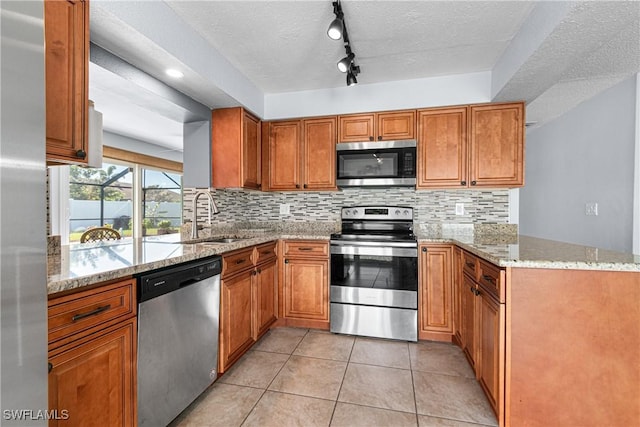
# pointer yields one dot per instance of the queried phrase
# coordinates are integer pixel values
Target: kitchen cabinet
(483, 325)
(300, 155)
(458, 289)
(235, 149)
(496, 144)
(305, 287)
(442, 148)
(66, 27)
(92, 356)
(471, 146)
(435, 292)
(248, 300)
(386, 126)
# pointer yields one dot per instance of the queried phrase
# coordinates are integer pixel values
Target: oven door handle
(365, 243)
(374, 251)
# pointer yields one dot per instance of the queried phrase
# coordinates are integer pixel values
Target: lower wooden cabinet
(306, 283)
(468, 308)
(457, 295)
(490, 366)
(435, 292)
(248, 300)
(92, 366)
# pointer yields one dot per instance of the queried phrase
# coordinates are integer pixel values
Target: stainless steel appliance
(178, 318)
(378, 164)
(374, 273)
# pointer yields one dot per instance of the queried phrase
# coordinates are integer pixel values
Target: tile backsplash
(480, 206)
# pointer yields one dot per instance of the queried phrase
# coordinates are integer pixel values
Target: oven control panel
(378, 213)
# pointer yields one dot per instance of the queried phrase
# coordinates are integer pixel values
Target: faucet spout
(213, 209)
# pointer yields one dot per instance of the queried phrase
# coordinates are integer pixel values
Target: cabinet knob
(50, 367)
(286, 261)
(259, 270)
(379, 137)
(473, 183)
(424, 249)
(297, 185)
(371, 138)
(254, 273)
(463, 182)
(305, 185)
(81, 154)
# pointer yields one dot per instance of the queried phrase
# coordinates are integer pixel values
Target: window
(81, 198)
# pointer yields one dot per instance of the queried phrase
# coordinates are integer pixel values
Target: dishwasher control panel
(159, 282)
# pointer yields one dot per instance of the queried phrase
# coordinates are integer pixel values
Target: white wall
(416, 93)
(586, 155)
(125, 143)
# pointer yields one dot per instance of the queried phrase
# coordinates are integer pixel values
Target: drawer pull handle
(98, 310)
(489, 279)
(240, 261)
(471, 265)
(305, 249)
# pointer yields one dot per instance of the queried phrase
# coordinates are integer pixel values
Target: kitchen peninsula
(566, 318)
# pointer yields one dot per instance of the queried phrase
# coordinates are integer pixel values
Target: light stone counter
(80, 265)
(511, 250)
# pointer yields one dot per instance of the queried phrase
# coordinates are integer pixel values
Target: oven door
(375, 273)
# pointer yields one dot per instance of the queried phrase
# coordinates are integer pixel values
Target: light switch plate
(459, 208)
(285, 208)
(591, 209)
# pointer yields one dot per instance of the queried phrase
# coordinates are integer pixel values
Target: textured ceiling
(232, 50)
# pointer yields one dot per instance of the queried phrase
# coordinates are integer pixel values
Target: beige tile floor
(300, 377)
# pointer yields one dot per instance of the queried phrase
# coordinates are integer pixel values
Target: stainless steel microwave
(376, 164)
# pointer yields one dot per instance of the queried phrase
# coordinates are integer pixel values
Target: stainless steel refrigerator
(23, 295)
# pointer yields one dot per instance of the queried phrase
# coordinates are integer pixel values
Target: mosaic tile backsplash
(430, 207)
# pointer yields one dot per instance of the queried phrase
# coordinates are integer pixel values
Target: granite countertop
(80, 265)
(513, 250)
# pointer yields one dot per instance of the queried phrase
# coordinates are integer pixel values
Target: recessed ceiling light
(174, 73)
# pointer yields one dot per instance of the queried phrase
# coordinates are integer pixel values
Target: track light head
(345, 63)
(336, 28)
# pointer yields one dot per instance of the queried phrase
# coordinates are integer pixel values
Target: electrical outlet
(285, 208)
(459, 208)
(591, 209)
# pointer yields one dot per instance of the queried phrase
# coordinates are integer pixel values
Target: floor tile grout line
(344, 375)
(274, 377)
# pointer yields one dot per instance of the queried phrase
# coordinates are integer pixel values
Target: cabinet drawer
(265, 253)
(83, 311)
(306, 249)
(237, 261)
(470, 264)
(490, 278)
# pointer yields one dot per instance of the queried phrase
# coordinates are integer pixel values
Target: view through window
(104, 197)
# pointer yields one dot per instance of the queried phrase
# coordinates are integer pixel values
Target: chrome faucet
(213, 209)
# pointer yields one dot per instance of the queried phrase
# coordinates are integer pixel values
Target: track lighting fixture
(338, 29)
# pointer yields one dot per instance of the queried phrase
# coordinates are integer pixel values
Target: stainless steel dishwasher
(178, 320)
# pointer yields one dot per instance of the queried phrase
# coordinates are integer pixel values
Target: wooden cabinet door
(356, 128)
(236, 318)
(458, 288)
(66, 25)
(94, 379)
(436, 319)
(490, 318)
(306, 289)
(266, 286)
(396, 125)
(442, 148)
(468, 302)
(284, 155)
(320, 154)
(497, 145)
(251, 170)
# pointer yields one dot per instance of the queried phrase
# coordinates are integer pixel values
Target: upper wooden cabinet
(471, 146)
(386, 126)
(496, 140)
(66, 26)
(300, 154)
(442, 148)
(235, 149)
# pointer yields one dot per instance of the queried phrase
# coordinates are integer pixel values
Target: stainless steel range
(374, 273)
